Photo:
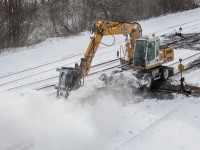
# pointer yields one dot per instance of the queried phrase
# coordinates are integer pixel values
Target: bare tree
(25, 22)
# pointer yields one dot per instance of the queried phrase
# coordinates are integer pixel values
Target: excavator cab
(146, 52)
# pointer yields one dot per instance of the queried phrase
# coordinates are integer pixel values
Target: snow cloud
(35, 121)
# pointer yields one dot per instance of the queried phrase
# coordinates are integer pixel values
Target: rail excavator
(141, 66)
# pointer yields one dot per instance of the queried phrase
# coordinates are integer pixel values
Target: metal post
(182, 87)
(182, 79)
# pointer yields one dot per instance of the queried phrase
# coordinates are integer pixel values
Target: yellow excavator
(142, 65)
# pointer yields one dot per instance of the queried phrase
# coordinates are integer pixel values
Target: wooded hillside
(26, 22)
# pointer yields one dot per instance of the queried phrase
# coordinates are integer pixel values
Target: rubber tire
(165, 74)
(149, 77)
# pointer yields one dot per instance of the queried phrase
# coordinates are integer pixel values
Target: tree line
(27, 22)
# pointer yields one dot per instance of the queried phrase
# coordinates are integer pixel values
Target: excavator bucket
(69, 79)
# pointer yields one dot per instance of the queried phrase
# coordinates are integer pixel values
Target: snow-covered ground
(105, 121)
(93, 119)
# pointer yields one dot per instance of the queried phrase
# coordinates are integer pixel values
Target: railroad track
(166, 87)
(99, 71)
(39, 66)
(158, 90)
(80, 54)
(56, 77)
(192, 58)
(46, 64)
(173, 89)
(186, 40)
(190, 90)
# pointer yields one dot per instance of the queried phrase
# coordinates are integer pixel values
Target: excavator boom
(110, 28)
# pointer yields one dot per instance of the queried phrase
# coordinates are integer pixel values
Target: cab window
(157, 48)
(140, 53)
(151, 51)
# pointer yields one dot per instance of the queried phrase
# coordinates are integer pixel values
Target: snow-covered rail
(51, 79)
(106, 65)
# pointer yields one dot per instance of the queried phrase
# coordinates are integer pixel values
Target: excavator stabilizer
(69, 79)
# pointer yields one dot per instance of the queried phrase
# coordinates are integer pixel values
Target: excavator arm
(101, 28)
(70, 78)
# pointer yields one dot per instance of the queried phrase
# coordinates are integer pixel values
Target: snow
(44, 123)
(178, 129)
(93, 117)
(189, 21)
(193, 78)
(104, 121)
